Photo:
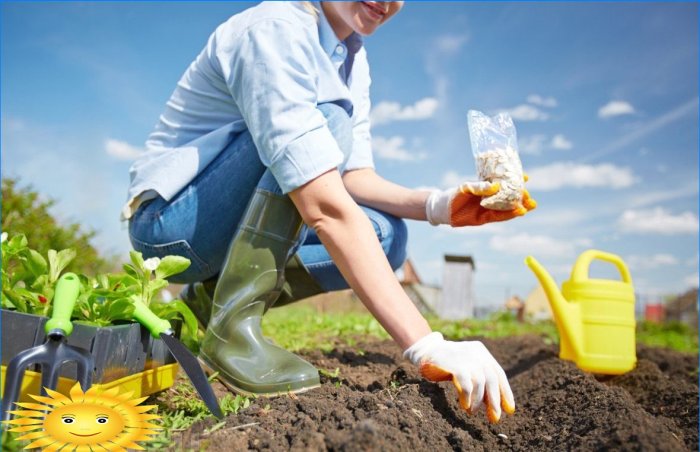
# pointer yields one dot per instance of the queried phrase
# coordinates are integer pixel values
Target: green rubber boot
(198, 297)
(298, 284)
(249, 283)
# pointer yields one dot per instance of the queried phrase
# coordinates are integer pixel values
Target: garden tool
(54, 352)
(161, 329)
(595, 317)
(249, 283)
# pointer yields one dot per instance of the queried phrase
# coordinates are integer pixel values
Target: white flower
(151, 264)
(3, 237)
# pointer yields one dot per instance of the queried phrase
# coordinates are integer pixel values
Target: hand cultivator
(55, 352)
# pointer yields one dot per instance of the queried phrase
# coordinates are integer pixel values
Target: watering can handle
(67, 291)
(580, 270)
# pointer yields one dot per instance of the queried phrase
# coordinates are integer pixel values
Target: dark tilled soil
(379, 402)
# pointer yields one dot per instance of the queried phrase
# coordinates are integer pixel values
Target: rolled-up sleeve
(270, 71)
(361, 156)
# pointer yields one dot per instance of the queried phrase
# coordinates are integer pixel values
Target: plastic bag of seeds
(495, 147)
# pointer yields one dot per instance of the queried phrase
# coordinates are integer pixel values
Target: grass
(303, 327)
(296, 328)
(184, 408)
(673, 335)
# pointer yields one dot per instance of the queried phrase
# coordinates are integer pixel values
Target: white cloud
(536, 245)
(386, 112)
(568, 174)
(526, 112)
(533, 145)
(688, 108)
(450, 44)
(658, 221)
(691, 280)
(392, 149)
(452, 179)
(122, 150)
(536, 99)
(560, 142)
(658, 197)
(496, 228)
(536, 144)
(556, 218)
(615, 108)
(650, 262)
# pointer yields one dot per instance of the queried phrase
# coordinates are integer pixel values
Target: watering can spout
(566, 314)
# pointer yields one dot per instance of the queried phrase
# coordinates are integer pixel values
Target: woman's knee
(392, 234)
(340, 125)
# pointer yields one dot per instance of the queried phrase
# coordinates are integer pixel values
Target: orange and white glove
(460, 206)
(472, 369)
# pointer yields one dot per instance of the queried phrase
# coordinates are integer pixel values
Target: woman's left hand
(460, 206)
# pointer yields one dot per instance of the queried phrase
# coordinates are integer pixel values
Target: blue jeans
(200, 221)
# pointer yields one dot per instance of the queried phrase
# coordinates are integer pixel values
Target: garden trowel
(161, 329)
(53, 353)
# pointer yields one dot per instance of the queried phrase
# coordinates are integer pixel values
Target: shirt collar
(329, 41)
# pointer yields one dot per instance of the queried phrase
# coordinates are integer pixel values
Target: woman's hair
(311, 9)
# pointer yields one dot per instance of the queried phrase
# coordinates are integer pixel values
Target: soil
(378, 401)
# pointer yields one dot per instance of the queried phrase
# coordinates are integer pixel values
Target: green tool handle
(152, 322)
(64, 298)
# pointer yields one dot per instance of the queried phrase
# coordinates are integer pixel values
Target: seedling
(329, 374)
(29, 282)
(333, 376)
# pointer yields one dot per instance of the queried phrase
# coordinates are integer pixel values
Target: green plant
(674, 335)
(334, 376)
(29, 280)
(233, 404)
(24, 210)
(184, 407)
(329, 374)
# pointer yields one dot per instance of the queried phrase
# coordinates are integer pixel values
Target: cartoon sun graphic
(85, 421)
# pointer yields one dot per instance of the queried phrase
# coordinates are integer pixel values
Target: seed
(501, 164)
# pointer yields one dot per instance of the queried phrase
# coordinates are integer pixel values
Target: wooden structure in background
(457, 301)
(423, 297)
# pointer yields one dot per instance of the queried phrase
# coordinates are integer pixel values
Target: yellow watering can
(595, 317)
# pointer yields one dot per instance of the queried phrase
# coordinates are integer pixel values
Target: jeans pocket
(198, 270)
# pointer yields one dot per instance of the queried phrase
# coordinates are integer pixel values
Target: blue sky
(604, 97)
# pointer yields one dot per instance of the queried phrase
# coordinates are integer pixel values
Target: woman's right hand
(461, 206)
(471, 368)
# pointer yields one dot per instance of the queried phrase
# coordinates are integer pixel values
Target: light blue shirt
(264, 70)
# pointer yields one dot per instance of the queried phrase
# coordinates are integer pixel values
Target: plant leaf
(155, 286)
(132, 271)
(171, 265)
(58, 261)
(35, 263)
(174, 309)
(119, 309)
(17, 244)
(137, 260)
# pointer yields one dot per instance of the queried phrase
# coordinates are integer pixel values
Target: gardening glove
(472, 369)
(460, 206)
